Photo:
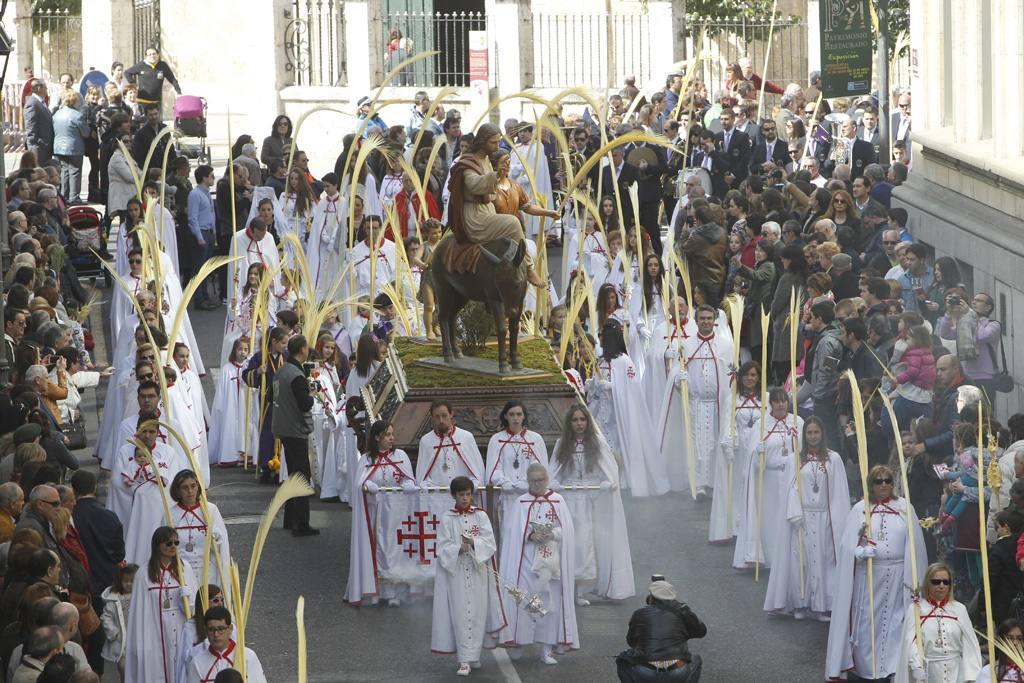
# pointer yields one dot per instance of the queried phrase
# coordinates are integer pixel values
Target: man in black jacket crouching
(657, 640)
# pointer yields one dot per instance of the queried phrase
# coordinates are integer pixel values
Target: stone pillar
(22, 38)
(1008, 73)
(364, 48)
(512, 56)
(661, 21)
(678, 32)
(928, 80)
(110, 31)
(967, 70)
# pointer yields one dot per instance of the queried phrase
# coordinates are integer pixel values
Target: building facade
(965, 194)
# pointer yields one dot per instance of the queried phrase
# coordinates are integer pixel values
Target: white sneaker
(822, 616)
(548, 659)
(475, 665)
(582, 601)
(394, 602)
(800, 614)
(463, 669)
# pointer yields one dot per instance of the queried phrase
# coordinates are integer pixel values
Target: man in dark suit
(648, 181)
(899, 129)
(626, 175)
(770, 152)
(715, 162)
(145, 137)
(820, 145)
(736, 147)
(868, 130)
(860, 153)
(39, 123)
(102, 537)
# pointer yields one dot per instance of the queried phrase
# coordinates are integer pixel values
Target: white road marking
(505, 665)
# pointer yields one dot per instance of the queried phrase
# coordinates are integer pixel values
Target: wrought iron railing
(56, 42)
(408, 33)
(572, 49)
(725, 41)
(145, 26)
(314, 42)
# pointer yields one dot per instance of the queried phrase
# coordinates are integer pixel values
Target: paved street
(668, 535)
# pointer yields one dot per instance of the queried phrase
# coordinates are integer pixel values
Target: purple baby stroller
(190, 121)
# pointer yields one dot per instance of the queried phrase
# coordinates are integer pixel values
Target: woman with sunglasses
(842, 210)
(950, 647)
(888, 547)
(816, 511)
(157, 617)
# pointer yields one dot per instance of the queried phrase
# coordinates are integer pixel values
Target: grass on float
(535, 353)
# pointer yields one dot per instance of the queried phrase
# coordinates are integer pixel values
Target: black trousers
(296, 456)
(638, 673)
(649, 221)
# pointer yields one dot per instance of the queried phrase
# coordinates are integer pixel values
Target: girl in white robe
(748, 411)
(950, 646)
(366, 364)
(238, 321)
(325, 251)
(582, 458)
(804, 576)
(1006, 671)
(510, 452)
(192, 390)
(383, 465)
(615, 399)
(852, 646)
(773, 446)
(594, 252)
(662, 351)
(329, 470)
(298, 206)
(468, 614)
(157, 614)
(194, 528)
(229, 441)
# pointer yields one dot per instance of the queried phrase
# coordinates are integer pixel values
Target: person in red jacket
(407, 208)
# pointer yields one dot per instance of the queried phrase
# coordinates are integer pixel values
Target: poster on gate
(847, 47)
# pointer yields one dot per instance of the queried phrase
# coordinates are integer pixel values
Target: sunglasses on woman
(882, 482)
(941, 582)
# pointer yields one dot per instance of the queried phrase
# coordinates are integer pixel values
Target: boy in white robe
(537, 559)
(254, 245)
(324, 252)
(359, 258)
(468, 610)
(447, 451)
(219, 652)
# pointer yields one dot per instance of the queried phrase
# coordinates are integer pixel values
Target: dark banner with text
(847, 47)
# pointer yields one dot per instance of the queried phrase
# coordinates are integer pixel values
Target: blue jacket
(70, 129)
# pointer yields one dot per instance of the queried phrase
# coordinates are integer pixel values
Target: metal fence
(13, 116)
(56, 42)
(145, 26)
(722, 43)
(314, 43)
(572, 49)
(408, 33)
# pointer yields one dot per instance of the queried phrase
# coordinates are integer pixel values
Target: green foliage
(535, 353)
(898, 24)
(726, 10)
(476, 324)
(69, 6)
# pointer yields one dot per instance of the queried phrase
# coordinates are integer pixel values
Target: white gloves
(671, 354)
(728, 452)
(519, 486)
(681, 376)
(762, 449)
(797, 522)
(864, 551)
(371, 487)
(645, 333)
(555, 486)
(409, 486)
(606, 486)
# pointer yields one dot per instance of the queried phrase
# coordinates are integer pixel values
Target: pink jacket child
(920, 370)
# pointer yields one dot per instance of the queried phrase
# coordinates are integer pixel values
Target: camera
(657, 577)
(953, 300)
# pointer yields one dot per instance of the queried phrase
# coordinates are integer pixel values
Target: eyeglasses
(941, 582)
(54, 503)
(882, 482)
(172, 542)
(218, 629)
(838, 201)
(905, 106)
(809, 111)
(135, 261)
(794, 152)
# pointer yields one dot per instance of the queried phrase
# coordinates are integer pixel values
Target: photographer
(977, 337)
(657, 639)
(292, 423)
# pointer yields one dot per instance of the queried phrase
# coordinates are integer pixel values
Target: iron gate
(145, 26)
